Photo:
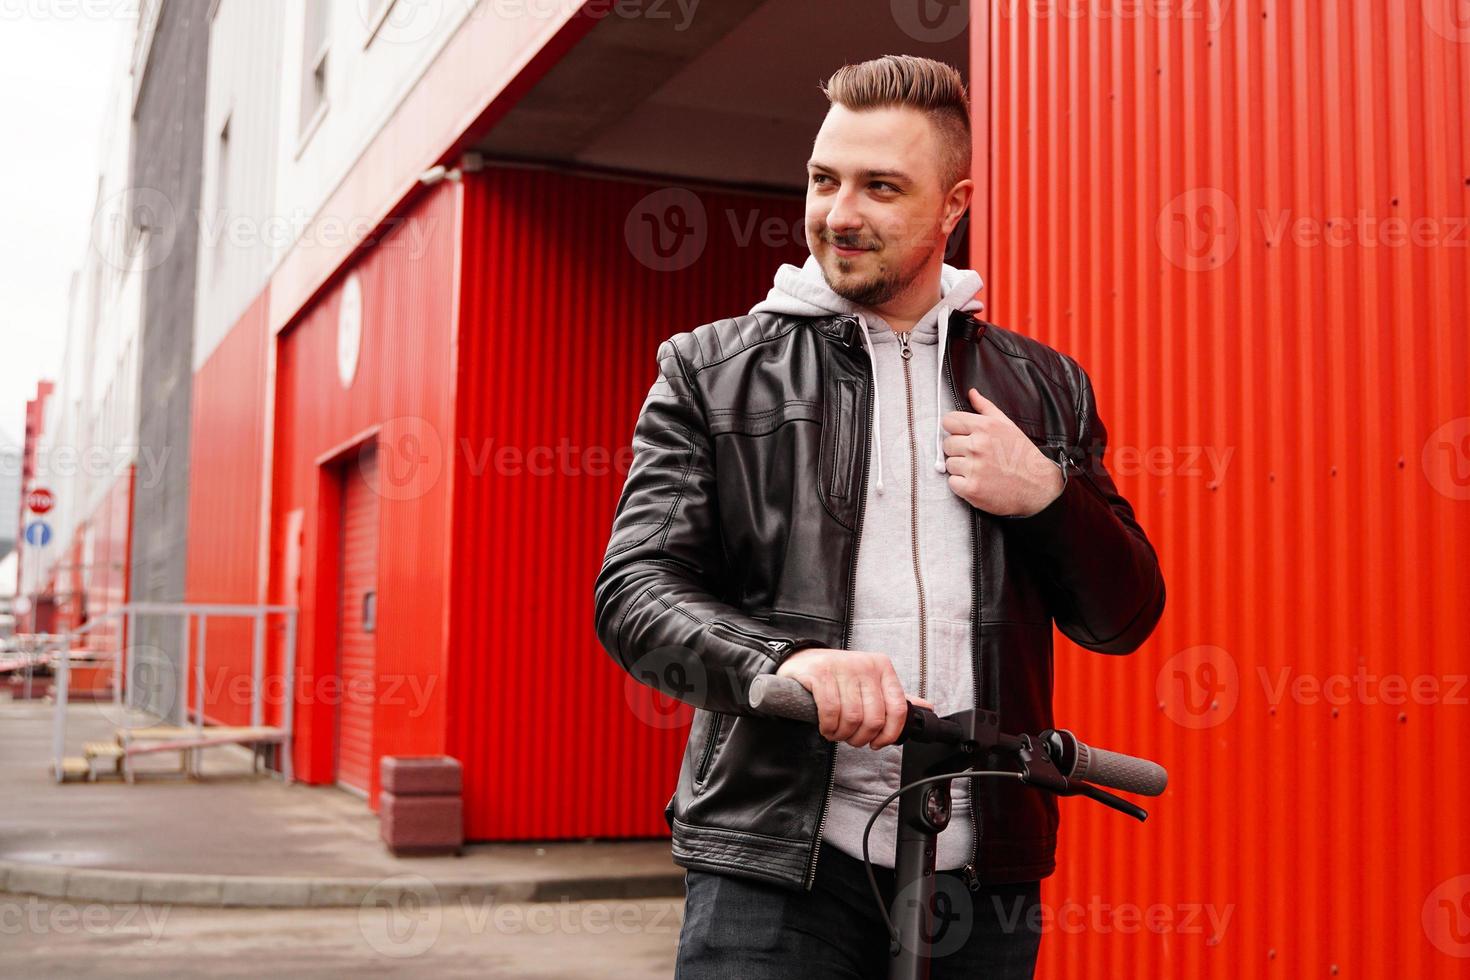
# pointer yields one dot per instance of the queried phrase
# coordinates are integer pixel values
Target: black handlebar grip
(782, 697)
(1118, 771)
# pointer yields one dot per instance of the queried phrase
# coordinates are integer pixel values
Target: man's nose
(844, 214)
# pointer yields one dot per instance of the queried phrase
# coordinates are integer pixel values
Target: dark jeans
(738, 928)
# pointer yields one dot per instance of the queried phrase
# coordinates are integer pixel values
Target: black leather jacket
(735, 542)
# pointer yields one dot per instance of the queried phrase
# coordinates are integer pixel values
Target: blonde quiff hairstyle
(933, 87)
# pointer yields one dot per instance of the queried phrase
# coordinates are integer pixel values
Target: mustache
(843, 242)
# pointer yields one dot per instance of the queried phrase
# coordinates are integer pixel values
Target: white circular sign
(349, 330)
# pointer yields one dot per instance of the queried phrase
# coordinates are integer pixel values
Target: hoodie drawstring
(943, 340)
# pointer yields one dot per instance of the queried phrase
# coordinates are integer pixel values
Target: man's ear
(957, 203)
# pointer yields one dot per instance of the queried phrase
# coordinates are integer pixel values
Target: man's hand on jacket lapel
(995, 466)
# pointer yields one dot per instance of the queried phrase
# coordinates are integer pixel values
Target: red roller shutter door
(357, 655)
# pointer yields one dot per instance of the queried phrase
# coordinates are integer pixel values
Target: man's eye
(818, 178)
(884, 185)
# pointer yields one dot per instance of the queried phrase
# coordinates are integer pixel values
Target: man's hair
(933, 87)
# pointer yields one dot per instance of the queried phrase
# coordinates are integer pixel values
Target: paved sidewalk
(235, 840)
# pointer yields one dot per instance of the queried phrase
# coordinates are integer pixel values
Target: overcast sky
(56, 73)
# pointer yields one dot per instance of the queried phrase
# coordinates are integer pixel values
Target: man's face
(877, 209)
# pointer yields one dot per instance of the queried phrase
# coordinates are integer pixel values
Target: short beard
(874, 292)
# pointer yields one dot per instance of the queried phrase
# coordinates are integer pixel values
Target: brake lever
(1038, 770)
(1108, 799)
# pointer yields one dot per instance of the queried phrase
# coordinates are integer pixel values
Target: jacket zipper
(811, 875)
(907, 353)
(709, 748)
(971, 875)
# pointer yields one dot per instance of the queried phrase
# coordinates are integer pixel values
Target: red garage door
(357, 615)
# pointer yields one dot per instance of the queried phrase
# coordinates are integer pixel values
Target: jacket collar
(844, 328)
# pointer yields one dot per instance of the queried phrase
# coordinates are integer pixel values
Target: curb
(253, 891)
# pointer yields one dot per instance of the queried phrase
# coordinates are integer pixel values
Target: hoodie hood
(804, 292)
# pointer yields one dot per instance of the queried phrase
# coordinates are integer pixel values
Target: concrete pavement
(255, 842)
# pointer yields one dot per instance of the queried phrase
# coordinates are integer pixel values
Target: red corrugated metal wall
(1247, 221)
(565, 299)
(105, 538)
(400, 399)
(227, 458)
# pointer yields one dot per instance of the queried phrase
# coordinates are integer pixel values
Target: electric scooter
(938, 750)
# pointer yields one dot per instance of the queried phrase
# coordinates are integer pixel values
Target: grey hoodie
(909, 474)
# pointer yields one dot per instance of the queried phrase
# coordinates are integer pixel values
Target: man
(862, 485)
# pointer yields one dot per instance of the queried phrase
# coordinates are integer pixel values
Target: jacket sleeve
(1103, 576)
(657, 612)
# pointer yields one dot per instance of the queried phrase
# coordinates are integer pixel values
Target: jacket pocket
(840, 440)
(708, 754)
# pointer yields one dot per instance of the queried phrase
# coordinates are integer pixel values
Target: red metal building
(441, 424)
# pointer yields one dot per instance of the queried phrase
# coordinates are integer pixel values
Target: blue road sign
(38, 534)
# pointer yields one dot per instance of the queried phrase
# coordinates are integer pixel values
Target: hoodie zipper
(906, 352)
(971, 875)
(857, 537)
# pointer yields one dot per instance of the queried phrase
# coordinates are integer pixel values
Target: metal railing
(201, 612)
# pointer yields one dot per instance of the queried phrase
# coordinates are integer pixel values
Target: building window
(222, 170)
(314, 45)
(221, 187)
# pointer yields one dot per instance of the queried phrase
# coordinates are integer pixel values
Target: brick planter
(421, 811)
